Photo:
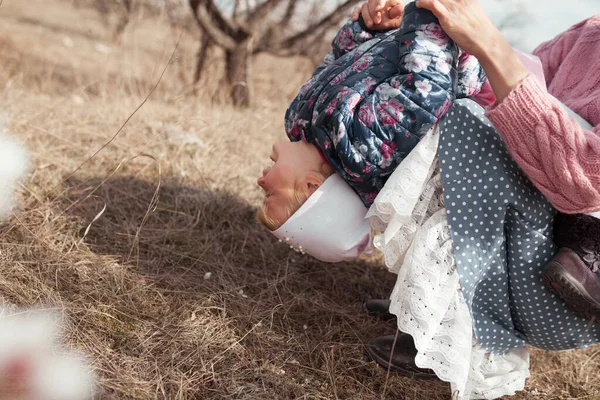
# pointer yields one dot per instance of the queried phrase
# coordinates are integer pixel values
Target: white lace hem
(413, 233)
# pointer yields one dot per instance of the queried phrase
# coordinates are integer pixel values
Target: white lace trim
(413, 233)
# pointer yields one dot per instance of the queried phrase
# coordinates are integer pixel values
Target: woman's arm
(560, 158)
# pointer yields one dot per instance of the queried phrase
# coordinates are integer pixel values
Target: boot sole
(410, 373)
(573, 293)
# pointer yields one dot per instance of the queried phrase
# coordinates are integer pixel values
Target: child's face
(294, 162)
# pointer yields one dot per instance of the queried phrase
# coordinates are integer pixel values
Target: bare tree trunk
(205, 45)
(120, 28)
(238, 73)
(124, 16)
(103, 9)
(242, 35)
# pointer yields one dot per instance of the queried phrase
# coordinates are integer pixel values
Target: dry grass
(268, 323)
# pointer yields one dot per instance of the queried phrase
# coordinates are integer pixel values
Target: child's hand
(380, 15)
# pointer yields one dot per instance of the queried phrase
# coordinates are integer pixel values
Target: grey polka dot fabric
(501, 229)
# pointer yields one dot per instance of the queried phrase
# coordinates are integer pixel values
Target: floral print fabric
(376, 94)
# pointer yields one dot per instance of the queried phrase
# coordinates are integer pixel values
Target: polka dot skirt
(501, 229)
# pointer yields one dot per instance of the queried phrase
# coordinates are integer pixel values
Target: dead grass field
(175, 292)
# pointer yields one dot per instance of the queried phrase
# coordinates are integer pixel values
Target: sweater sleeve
(560, 157)
(553, 52)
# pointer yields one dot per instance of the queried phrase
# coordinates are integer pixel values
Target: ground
(168, 285)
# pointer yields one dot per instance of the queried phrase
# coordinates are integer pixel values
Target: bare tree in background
(244, 30)
(122, 8)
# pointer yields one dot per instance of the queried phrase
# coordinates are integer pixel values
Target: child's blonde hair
(298, 198)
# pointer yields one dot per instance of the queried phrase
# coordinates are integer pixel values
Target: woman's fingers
(435, 6)
(396, 11)
(356, 13)
(466, 23)
(380, 14)
(375, 9)
(366, 14)
(376, 5)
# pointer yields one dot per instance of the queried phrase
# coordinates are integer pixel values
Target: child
(365, 109)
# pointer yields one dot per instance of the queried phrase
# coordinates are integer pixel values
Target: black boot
(574, 272)
(379, 308)
(403, 359)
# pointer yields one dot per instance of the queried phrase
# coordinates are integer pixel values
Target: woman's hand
(380, 15)
(471, 29)
(465, 22)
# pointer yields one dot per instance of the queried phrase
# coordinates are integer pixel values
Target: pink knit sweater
(560, 158)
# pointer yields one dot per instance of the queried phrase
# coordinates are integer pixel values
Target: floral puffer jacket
(377, 93)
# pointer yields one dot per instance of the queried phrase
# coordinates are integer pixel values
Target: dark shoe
(379, 308)
(575, 278)
(403, 359)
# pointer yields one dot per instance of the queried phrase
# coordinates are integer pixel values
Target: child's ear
(312, 183)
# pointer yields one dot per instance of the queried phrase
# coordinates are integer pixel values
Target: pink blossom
(434, 33)
(322, 98)
(443, 109)
(298, 128)
(307, 85)
(463, 56)
(370, 197)
(331, 107)
(339, 78)
(343, 92)
(387, 148)
(472, 84)
(390, 112)
(442, 66)
(369, 83)
(345, 39)
(366, 115)
(423, 87)
(362, 63)
(354, 100)
(353, 174)
(387, 119)
(415, 62)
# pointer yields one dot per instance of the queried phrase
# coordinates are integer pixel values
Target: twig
(151, 208)
(387, 375)
(128, 118)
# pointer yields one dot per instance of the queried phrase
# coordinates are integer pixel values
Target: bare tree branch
(236, 8)
(258, 15)
(205, 46)
(331, 19)
(211, 15)
(213, 24)
(289, 13)
(217, 36)
(267, 24)
(232, 29)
